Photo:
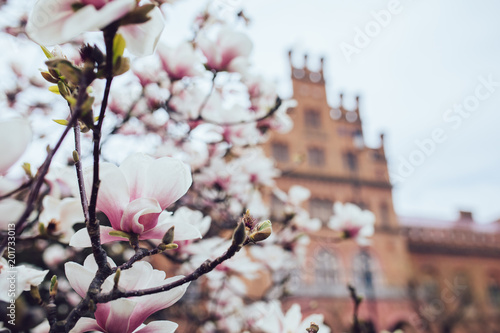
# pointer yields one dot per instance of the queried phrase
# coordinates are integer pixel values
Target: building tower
(325, 152)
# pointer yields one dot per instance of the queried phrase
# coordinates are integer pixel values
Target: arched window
(494, 290)
(321, 209)
(277, 208)
(327, 268)
(429, 286)
(462, 287)
(312, 119)
(366, 273)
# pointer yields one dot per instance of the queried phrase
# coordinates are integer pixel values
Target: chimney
(466, 216)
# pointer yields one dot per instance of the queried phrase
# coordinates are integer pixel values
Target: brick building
(421, 275)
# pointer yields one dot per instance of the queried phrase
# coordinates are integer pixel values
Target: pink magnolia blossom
(181, 61)
(125, 315)
(57, 21)
(353, 221)
(229, 52)
(15, 135)
(134, 195)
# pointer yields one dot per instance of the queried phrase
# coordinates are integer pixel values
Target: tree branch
(203, 269)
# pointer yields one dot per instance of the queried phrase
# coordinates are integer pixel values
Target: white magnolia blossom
(353, 221)
(15, 135)
(59, 216)
(193, 217)
(15, 279)
(269, 318)
(10, 212)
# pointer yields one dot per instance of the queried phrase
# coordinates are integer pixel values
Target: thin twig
(204, 268)
(93, 224)
(79, 174)
(14, 191)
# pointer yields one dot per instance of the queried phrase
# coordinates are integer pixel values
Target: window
(494, 291)
(429, 287)
(312, 119)
(316, 156)
(378, 156)
(384, 215)
(351, 161)
(463, 289)
(277, 207)
(280, 152)
(326, 271)
(365, 273)
(321, 209)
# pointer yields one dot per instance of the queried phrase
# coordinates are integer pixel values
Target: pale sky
(427, 59)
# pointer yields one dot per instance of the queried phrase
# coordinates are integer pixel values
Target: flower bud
(35, 293)
(53, 286)
(169, 236)
(261, 231)
(117, 277)
(76, 157)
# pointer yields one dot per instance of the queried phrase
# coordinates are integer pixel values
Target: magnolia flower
(273, 320)
(193, 217)
(58, 216)
(181, 61)
(134, 195)
(15, 279)
(125, 315)
(353, 222)
(58, 21)
(229, 52)
(296, 196)
(15, 135)
(10, 211)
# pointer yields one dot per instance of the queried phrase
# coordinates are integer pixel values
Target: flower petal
(10, 211)
(54, 22)
(183, 231)
(159, 326)
(79, 277)
(15, 135)
(119, 318)
(167, 180)
(134, 168)
(142, 210)
(142, 38)
(113, 192)
(81, 238)
(86, 325)
(147, 305)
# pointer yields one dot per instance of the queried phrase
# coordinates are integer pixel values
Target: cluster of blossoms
(180, 167)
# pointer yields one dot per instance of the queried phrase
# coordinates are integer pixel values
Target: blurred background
(427, 59)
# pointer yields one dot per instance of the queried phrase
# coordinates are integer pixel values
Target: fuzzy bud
(261, 231)
(117, 277)
(53, 286)
(169, 236)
